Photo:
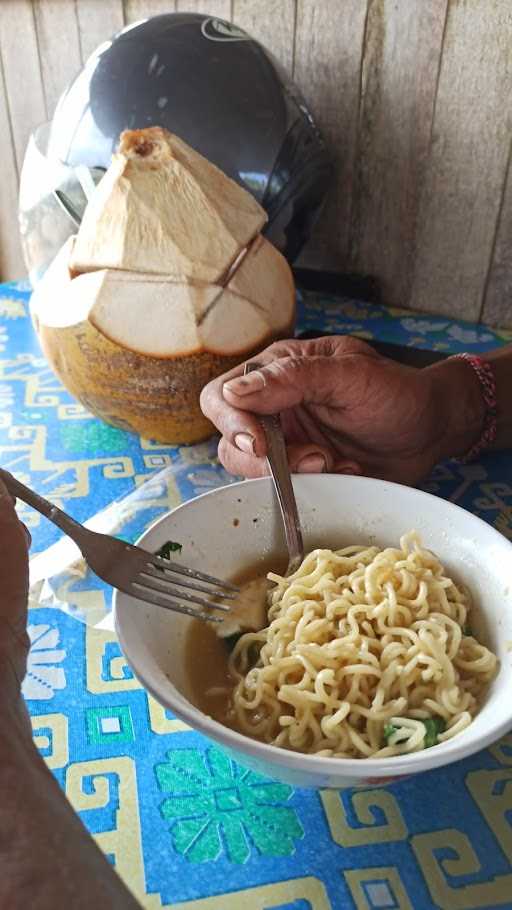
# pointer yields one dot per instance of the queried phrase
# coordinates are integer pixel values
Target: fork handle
(67, 524)
(277, 459)
(278, 463)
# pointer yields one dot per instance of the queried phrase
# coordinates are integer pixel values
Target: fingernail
(312, 464)
(348, 467)
(245, 442)
(246, 385)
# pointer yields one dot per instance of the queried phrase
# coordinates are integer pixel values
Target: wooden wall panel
(11, 262)
(221, 9)
(327, 67)
(142, 9)
(59, 46)
(271, 23)
(97, 22)
(497, 308)
(412, 97)
(468, 159)
(25, 94)
(398, 84)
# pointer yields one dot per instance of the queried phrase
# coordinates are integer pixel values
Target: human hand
(49, 859)
(14, 641)
(344, 409)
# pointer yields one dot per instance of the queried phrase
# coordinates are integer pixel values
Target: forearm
(461, 405)
(47, 858)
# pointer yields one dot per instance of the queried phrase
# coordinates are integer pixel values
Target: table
(134, 772)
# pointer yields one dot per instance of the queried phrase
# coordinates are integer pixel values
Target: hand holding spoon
(249, 610)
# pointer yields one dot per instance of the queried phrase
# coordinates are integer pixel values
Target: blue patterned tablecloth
(186, 827)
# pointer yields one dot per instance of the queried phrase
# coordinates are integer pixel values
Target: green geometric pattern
(216, 806)
(90, 435)
(109, 725)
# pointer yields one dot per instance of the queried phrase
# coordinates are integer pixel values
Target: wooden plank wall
(413, 97)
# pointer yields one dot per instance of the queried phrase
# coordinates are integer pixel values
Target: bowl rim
(320, 766)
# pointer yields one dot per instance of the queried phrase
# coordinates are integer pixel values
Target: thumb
(279, 385)
(7, 501)
(14, 589)
(9, 521)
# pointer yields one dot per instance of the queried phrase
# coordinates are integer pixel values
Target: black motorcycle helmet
(215, 87)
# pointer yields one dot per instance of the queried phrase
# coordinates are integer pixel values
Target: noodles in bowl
(367, 654)
(229, 530)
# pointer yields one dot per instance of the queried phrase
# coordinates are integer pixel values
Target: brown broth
(207, 655)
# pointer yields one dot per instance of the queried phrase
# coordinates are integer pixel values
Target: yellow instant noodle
(360, 639)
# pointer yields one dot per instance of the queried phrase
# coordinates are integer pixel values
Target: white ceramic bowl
(229, 528)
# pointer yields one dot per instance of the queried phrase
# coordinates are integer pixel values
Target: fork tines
(153, 579)
(172, 586)
(169, 566)
(162, 599)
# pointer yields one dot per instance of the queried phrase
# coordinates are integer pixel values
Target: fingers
(8, 512)
(13, 551)
(14, 642)
(236, 423)
(231, 401)
(292, 372)
(306, 458)
(240, 464)
(232, 423)
(277, 386)
(7, 503)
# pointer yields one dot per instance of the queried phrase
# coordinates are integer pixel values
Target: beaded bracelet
(485, 376)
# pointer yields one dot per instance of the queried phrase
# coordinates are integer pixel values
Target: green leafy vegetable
(231, 640)
(389, 729)
(170, 546)
(433, 726)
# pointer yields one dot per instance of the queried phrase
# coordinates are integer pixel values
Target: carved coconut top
(152, 255)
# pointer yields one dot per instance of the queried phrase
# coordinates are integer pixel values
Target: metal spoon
(278, 464)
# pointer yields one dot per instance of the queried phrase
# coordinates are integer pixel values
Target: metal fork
(277, 460)
(131, 569)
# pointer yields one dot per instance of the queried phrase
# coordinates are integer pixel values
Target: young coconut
(163, 208)
(130, 328)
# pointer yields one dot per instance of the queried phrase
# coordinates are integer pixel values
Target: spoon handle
(278, 463)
